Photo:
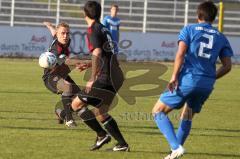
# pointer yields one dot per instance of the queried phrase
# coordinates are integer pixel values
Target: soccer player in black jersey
(57, 79)
(106, 79)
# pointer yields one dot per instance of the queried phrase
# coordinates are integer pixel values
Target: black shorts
(52, 82)
(103, 94)
(100, 94)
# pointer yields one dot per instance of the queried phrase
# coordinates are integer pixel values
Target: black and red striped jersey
(98, 36)
(58, 49)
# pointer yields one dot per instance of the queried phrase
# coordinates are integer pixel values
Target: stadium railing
(136, 15)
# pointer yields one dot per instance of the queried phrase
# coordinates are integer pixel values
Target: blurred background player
(106, 79)
(194, 75)
(112, 22)
(57, 79)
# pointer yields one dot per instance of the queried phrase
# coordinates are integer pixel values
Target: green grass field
(29, 130)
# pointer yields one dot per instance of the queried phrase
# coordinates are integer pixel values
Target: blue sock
(183, 130)
(165, 126)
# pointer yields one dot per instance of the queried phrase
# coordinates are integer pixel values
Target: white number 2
(208, 45)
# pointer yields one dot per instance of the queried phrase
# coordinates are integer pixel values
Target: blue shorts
(193, 96)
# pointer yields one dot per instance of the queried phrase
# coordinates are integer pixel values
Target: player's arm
(118, 33)
(97, 43)
(225, 68)
(96, 62)
(96, 57)
(104, 22)
(179, 59)
(81, 65)
(96, 40)
(74, 62)
(51, 28)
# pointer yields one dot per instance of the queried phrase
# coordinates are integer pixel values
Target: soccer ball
(47, 60)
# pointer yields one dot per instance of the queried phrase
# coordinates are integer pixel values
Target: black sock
(111, 125)
(67, 100)
(62, 114)
(90, 120)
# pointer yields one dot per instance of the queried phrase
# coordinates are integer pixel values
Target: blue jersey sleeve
(104, 22)
(184, 36)
(227, 49)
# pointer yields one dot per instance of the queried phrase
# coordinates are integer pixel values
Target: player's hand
(89, 85)
(173, 84)
(61, 59)
(81, 66)
(47, 23)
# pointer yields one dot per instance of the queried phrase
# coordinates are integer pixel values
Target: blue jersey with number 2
(205, 44)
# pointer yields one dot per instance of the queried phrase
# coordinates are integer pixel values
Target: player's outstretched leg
(185, 124)
(69, 122)
(165, 126)
(100, 141)
(175, 154)
(111, 126)
(90, 120)
(60, 115)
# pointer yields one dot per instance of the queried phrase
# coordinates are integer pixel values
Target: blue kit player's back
(205, 45)
(193, 77)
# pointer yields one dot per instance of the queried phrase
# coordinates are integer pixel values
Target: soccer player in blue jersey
(193, 76)
(112, 22)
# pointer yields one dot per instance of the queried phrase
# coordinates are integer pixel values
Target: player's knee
(102, 117)
(81, 111)
(85, 114)
(66, 99)
(187, 113)
(77, 104)
(161, 107)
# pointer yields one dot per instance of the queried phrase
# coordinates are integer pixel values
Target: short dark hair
(207, 11)
(93, 10)
(115, 6)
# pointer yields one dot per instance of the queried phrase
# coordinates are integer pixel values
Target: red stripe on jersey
(62, 50)
(89, 33)
(59, 49)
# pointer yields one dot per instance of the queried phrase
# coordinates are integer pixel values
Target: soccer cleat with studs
(71, 124)
(60, 120)
(119, 147)
(176, 154)
(100, 141)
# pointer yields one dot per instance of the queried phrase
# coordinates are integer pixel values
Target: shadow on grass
(214, 154)
(24, 92)
(24, 118)
(153, 130)
(158, 133)
(47, 93)
(43, 128)
(138, 151)
(214, 135)
(197, 129)
(188, 153)
(23, 112)
(219, 130)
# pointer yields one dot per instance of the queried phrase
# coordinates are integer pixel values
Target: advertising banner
(32, 41)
